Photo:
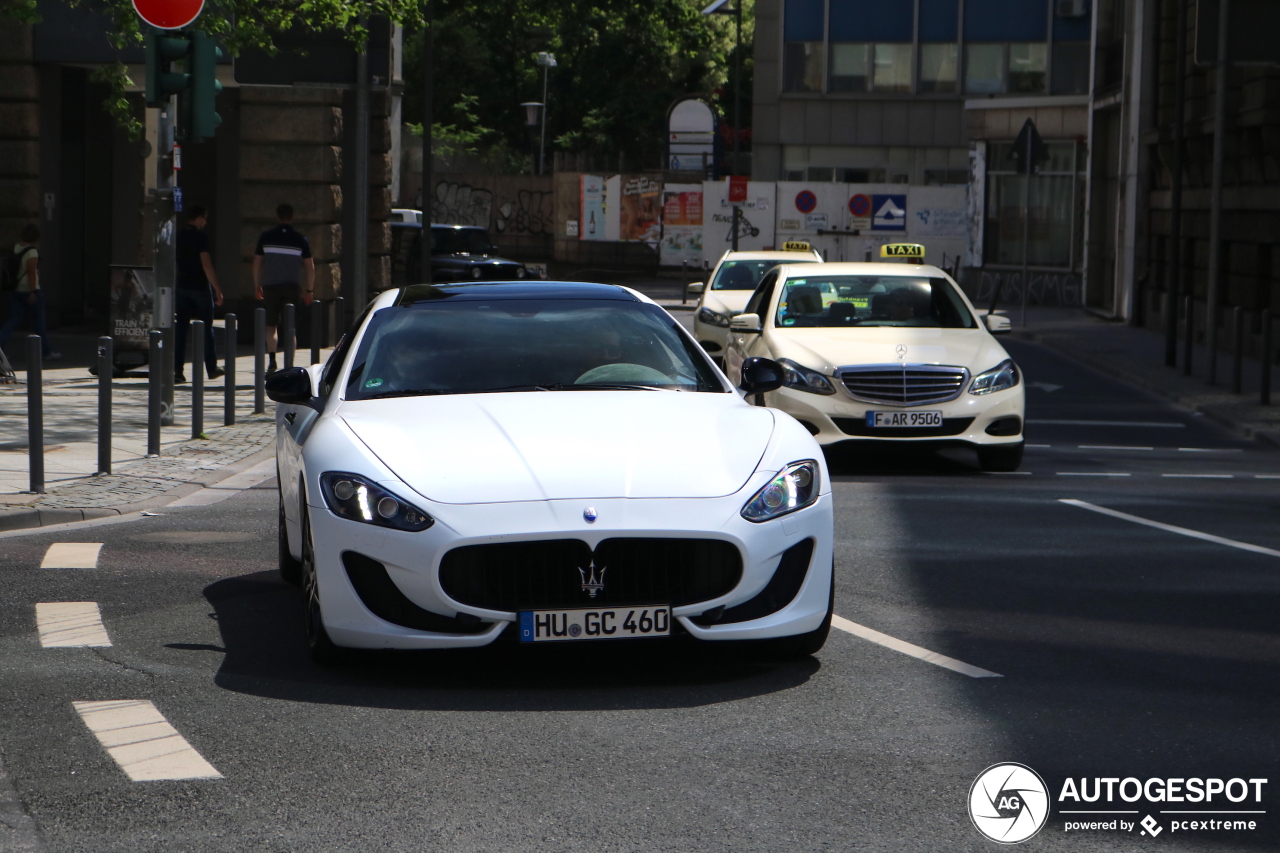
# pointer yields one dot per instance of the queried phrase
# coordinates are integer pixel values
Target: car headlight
(999, 378)
(713, 318)
(356, 499)
(803, 379)
(795, 487)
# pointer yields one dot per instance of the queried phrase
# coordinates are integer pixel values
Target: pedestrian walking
(284, 273)
(197, 291)
(20, 276)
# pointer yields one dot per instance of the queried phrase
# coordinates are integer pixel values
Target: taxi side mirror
(745, 323)
(997, 324)
(695, 288)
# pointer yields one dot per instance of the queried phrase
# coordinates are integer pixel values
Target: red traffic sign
(168, 14)
(737, 188)
(860, 206)
(806, 201)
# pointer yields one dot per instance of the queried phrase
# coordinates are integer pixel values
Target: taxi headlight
(356, 499)
(999, 378)
(713, 318)
(803, 379)
(795, 487)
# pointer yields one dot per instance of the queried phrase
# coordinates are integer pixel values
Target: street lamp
(546, 61)
(721, 7)
(531, 117)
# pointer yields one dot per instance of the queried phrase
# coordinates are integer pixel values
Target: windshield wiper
(604, 386)
(411, 392)
(507, 388)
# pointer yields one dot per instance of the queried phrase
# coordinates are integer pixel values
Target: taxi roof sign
(902, 250)
(797, 246)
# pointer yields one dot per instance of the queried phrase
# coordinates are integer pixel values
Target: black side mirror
(292, 385)
(760, 375)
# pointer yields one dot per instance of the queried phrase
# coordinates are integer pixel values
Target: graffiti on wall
(520, 211)
(530, 212)
(461, 204)
(1044, 288)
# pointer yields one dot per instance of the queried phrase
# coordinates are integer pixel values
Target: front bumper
(966, 419)
(412, 561)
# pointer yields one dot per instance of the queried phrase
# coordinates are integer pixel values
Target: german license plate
(601, 623)
(904, 419)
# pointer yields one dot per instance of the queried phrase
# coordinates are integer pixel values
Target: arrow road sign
(1039, 153)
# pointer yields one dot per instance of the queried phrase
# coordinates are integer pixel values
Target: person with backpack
(20, 277)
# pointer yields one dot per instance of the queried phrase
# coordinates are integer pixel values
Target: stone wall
(19, 133)
(291, 152)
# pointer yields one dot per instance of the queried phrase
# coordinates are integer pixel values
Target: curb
(29, 517)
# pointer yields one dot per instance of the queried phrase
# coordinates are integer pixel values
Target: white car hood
(486, 448)
(827, 349)
(728, 301)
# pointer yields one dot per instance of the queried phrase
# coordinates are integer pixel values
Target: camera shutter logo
(1008, 803)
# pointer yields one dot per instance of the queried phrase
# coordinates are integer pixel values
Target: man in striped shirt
(283, 273)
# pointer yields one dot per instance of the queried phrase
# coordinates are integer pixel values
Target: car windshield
(872, 300)
(476, 346)
(460, 241)
(745, 275)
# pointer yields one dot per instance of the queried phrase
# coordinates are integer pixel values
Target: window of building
(803, 54)
(939, 66)
(1028, 63)
(870, 68)
(892, 70)
(984, 68)
(1057, 201)
(1070, 68)
(850, 71)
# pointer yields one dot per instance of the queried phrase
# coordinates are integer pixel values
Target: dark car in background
(458, 253)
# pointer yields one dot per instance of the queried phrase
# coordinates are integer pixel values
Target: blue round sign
(806, 201)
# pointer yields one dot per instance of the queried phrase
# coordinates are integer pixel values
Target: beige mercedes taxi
(884, 352)
(731, 284)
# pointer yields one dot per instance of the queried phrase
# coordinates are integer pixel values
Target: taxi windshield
(745, 275)
(871, 300)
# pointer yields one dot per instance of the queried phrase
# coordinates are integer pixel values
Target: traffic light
(162, 80)
(202, 65)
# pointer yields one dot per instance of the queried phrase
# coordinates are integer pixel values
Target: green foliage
(116, 79)
(468, 136)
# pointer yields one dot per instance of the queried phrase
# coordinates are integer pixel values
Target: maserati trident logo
(901, 350)
(592, 582)
(589, 515)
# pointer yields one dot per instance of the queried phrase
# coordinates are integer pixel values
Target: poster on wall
(755, 225)
(591, 219)
(132, 298)
(681, 225)
(641, 212)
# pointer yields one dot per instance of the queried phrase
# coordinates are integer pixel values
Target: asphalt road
(1124, 650)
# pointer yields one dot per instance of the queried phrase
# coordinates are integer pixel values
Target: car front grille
(858, 427)
(905, 385)
(515, 576)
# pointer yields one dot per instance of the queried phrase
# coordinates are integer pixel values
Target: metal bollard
(684, 277)
(35, 413)
(197, 378)
(259, 360)
(1267, 357)
(314, 310)
(286, 342)
(339, 320)
(229, 372)
(1189, 336)
(155, 362)
(104, 404)
(1237, 364)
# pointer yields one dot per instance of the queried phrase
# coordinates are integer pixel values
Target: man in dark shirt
(284, 273)
(197, 291)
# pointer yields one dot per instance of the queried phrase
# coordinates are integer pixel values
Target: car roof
(797, 257)
(489, 290)
(872, 268)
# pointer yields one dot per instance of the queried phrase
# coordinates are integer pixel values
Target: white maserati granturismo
(490, 460)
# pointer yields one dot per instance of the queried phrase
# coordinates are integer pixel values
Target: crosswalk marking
(142, 742)
(70, 624)
(72, 555)
(911, 649)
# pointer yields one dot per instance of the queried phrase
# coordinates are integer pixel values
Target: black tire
(323, 651)
(290, 569)
(804, 645)
(1004, 458)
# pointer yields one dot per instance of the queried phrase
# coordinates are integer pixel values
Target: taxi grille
(513, 576)
(906, 385)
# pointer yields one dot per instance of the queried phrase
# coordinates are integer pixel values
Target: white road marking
(142, 742)
(1111, 447)
(1039, 445)
(1266, 476)
(911, 649)
(1200, 476)
(72, 555)
(1171, 528)
(1210, 450)
(246, 479)
(1153, 424)
(70, 624)
(1091, 474)
(1007, 473)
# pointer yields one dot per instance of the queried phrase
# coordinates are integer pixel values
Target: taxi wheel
(1000, 458)
(804, 645)
(290, 569)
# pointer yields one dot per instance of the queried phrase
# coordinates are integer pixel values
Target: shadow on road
(868, 459)
(260, 619)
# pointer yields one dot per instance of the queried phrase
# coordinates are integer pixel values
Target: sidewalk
(1136, 356)
(75, 492)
